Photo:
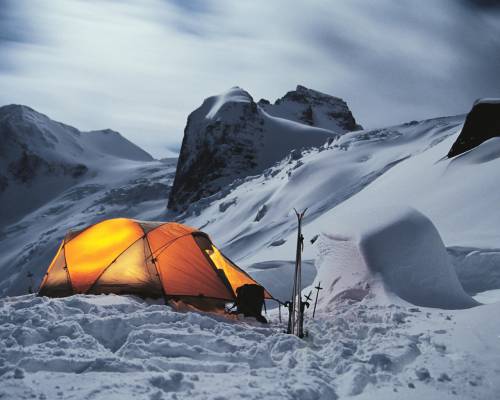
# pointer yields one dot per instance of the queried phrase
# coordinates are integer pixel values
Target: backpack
(249, 301)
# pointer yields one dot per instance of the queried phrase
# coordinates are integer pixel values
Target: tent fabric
(88, 253)
(132, 272)
(149, 259)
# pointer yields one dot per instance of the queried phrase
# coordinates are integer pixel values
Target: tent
(148, 259)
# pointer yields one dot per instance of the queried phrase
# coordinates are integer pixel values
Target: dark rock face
(482, 123)
(230, 136)
(215, 150)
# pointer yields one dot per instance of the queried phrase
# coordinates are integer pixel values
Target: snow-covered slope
(313, 108)
(230, 136)
(39, 158)
(401, 165)
(111, 142)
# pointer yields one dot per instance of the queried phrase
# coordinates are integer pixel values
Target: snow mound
(385, 253)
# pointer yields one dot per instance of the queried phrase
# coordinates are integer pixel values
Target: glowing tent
(148, 259)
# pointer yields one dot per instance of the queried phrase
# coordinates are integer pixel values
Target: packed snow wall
(387, 254)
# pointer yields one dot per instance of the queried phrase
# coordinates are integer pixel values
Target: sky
(141, 66)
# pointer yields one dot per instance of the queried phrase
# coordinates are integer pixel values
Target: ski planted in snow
(297, 307)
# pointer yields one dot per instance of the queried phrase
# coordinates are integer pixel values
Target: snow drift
(391, 251)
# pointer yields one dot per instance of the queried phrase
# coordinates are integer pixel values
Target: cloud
(140, 67)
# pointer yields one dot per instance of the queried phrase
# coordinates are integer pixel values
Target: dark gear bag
(249, 301)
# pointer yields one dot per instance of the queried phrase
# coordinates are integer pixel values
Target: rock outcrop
(482, 123)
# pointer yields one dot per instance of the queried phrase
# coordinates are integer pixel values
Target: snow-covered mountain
(40, 158)
(230, 136)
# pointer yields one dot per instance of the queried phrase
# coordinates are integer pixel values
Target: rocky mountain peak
(231, 136)
(314, 108)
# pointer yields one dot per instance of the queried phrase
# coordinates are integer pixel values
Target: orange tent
(149, 259)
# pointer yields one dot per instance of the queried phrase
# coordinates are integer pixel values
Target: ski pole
(318, 288)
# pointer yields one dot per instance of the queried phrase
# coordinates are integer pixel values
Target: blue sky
(140, 67)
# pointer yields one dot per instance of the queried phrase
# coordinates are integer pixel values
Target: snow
(487, 101)
(394, 249)
(233, 95)
(112, 143)
(488, 296)
(110, 347)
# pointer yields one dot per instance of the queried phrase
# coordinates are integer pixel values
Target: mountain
(313, 108)
(230, 136)
(40, 158)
